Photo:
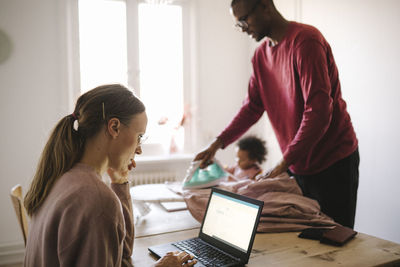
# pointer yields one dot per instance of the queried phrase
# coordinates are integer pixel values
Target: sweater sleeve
(312, 68)
(250, 112)
(122, 191)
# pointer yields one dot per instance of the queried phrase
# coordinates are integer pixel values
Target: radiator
(153, 177)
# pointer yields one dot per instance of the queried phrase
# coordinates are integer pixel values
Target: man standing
(295, 80)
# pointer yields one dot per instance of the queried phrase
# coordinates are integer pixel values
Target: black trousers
(335, 189)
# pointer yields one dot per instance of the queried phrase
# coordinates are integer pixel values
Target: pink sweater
(241, 174)
(82, 222)
(297, 83)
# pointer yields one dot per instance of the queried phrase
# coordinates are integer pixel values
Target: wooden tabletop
(286, 249)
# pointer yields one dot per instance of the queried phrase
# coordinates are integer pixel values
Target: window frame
(132, 27)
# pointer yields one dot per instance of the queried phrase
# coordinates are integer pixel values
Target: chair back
(16, 199)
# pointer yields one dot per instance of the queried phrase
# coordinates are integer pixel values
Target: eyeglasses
(141, 139)
(242, 22)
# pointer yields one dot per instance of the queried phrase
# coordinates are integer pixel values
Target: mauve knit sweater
(82, 222)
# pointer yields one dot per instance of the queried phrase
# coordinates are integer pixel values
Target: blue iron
(197, 178)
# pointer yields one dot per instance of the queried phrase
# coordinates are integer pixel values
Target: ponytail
(62, 151)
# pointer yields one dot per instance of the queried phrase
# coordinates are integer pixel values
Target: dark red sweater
(296, 82)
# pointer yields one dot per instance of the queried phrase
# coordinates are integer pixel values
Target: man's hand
(174, 259)
(281, 167)
(206, 156)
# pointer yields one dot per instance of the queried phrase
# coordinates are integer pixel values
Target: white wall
(363, 35)
(31, 97)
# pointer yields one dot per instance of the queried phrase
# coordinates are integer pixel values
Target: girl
(250, 153)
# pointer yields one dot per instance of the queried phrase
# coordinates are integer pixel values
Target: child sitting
(251, 152)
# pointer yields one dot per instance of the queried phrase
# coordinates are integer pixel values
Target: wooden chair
(16, 199)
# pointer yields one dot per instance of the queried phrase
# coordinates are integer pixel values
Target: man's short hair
(234, 2)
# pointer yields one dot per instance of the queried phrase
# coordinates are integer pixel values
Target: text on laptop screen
(230, 220)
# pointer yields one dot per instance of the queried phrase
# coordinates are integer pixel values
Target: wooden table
(286, 249)
(278, 249)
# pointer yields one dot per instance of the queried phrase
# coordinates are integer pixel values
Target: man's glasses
(242, 22)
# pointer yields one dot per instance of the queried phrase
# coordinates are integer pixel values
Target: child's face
(243, 160)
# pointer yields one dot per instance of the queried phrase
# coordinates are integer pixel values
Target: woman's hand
(174, 259)
(120, 176)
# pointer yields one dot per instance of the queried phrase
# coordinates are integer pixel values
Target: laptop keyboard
(206, 254)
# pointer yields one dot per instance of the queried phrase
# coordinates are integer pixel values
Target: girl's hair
(255, 147)
(65, 145)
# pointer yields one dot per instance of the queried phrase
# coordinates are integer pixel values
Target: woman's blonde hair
(66, 143)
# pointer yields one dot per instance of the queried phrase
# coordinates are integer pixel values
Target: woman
(76, 219)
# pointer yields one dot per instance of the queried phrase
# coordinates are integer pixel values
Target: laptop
(226, 234)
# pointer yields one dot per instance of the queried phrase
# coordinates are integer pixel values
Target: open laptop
(227, 232)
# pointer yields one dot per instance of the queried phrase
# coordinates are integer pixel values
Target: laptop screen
(230, 220)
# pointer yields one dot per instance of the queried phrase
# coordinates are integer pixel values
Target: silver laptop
(227, 232)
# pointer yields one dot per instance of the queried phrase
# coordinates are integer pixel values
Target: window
(161, 69)
(140, 44)
(102, 43)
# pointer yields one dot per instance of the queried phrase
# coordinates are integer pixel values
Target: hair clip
(104, 115)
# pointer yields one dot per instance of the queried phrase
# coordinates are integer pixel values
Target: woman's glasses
(141, 139)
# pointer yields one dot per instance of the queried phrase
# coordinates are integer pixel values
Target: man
(295, 80)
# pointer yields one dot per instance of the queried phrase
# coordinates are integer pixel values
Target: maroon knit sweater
(297, 83)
